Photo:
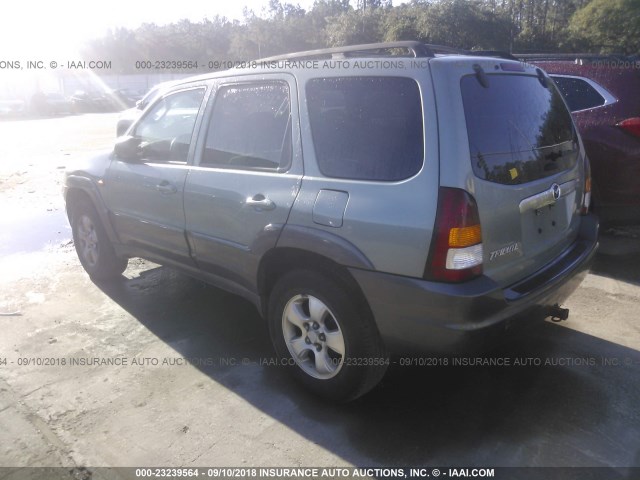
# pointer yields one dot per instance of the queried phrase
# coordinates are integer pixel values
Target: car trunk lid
(524, 152)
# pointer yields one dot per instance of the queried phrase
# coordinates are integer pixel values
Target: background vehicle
(50, 104)
(602, 93)
(421, 217)
(153, 93)
(123, 98)
(12, 108)
(90, 101)
(129, 116)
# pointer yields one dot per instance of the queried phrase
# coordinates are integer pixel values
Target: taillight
(631, 125)
(586, 194)
(456, 247)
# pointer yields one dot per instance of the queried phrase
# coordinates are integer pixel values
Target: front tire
(325, 335)
(92, 245)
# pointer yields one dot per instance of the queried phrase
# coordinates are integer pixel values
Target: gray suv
(371, 199)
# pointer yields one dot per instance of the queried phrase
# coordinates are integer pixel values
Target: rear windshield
(519, 130)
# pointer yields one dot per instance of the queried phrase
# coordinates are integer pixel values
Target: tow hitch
(558, 314)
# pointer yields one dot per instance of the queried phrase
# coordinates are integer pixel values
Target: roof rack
(414, 49)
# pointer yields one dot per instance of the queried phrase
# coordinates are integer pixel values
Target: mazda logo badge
(555, 188)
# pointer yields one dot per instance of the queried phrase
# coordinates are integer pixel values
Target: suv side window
(250, 127)
(578, 93)
(165, 131)
(366, 128)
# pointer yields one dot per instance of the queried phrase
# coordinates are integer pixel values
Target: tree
(321, 15)
(364, 5)
(330, 8)
(607, 26)
(464, 24)
(401, 23)
(521, 25)
(353, 28)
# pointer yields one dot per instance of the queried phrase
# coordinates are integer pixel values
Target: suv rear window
(366, 128)
(519, 131)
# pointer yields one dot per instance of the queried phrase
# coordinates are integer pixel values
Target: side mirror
(128, 149)
(123, 125)
(140, 104)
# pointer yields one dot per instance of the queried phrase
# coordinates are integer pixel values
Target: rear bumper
(415, 315)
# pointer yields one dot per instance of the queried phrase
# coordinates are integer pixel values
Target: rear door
(524, 165)
(247, 174)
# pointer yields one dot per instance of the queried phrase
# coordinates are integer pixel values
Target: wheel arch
(81, 189)
(279, 261)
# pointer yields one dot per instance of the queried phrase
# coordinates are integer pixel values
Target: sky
(44, 29)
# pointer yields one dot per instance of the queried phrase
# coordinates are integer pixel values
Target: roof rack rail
(414, 48)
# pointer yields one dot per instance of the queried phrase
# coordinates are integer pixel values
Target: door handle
(166, 188)
(260, 203)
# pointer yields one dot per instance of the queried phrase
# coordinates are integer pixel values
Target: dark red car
(603, 93)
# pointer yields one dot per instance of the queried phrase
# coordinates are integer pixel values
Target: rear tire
(92, 244)
(327, 340)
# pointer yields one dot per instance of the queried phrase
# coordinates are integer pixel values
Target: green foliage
(353, 28)
(402, 23)
(465, 24)
(608, 26)
(512, 25)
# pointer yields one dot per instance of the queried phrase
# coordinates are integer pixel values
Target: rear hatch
(523, 165)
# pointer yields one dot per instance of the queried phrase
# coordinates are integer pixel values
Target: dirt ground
(187, 384)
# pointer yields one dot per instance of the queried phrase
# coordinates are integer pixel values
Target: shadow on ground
(625, 267)
(579, 410)
(619, 254)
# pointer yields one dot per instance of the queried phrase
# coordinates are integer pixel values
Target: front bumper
(415, 315)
